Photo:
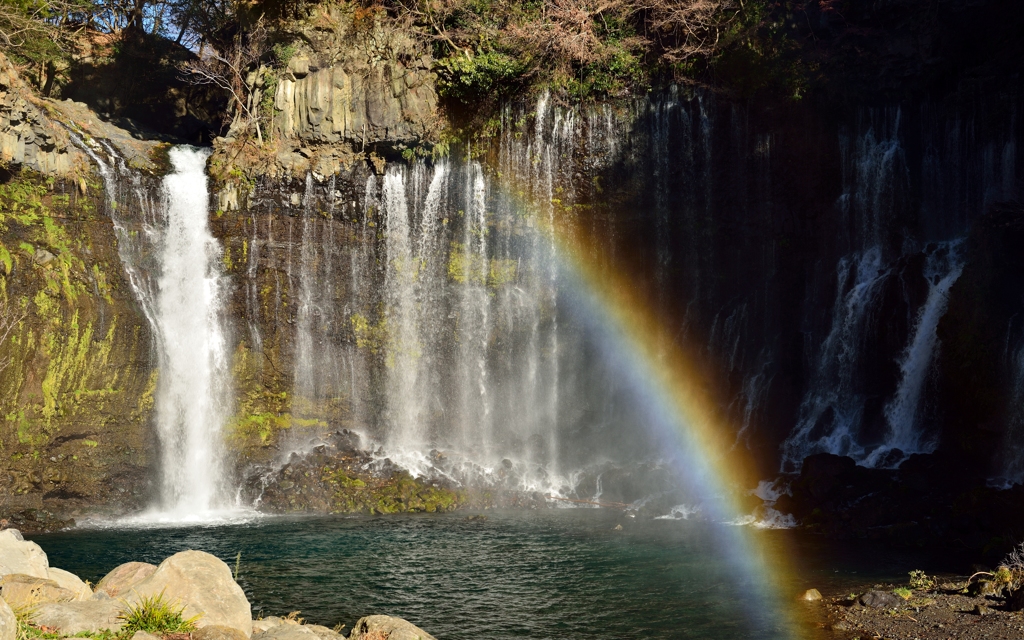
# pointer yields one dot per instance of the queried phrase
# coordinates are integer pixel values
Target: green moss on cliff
(399, 494)
(75, 367)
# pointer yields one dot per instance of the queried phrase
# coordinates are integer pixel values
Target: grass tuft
(155, 615)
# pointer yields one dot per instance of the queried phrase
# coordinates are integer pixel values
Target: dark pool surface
(564, 573)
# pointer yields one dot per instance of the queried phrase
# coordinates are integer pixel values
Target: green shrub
(920, 580)
(155, 615)
(464, 76)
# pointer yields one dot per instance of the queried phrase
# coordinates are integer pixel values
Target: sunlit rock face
(387, 102)
(27, 137)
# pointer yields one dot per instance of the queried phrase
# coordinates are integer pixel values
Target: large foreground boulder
(388, 627)
(203, 585)
(18, 555)
(8, 623)
(71, 582)
(82, 616)
(124, 577)
(21, 591)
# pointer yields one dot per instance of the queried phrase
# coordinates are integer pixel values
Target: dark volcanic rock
(879, 600)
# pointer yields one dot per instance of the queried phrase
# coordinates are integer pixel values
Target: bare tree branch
(10, 319)
(230, 72)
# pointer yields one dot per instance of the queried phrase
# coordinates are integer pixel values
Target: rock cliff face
(27, 137)
(358, 104)
(76, 385)
(352, 79)
(344, 89)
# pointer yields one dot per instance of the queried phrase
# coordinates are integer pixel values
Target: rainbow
(681, 409)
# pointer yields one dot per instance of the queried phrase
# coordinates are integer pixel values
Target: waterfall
(191, 401)
(830, 415)
(405, 346)
(172, 264)
(942, 268)
(839, 411)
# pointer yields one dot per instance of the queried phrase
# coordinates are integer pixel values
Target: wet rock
(18, 555)
(345, 441)
(227, 198)
(811, 595)
(71, 582)
(24, 592)
(372, 627)
(981, 610)
(71, 618)
(8, 622)
(204, 585)
(217, 632)
(123, 577)
(879, 600)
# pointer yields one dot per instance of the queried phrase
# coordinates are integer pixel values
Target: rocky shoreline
(192, 595)
(926, 608)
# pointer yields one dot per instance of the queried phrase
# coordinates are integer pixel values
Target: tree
(236, 72)
(40, 26)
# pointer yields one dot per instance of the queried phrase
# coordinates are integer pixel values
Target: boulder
(287, 632)
(811, 595)
(218, 632)
(144, 635)
(265, 623)
(70, 618)
(8, 622)
(983, 588)
(1015, 601)
(18, 555)
(203, 585)
(324, 633)
(71, 582)
(880, 600)
(24, 592)
(123, 577)
(389, 627)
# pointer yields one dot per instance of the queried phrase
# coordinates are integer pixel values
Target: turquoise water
(551, 574)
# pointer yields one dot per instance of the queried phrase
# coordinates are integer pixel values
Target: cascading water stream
(830, 415)
(191, 401)
(173, 267)
(942, 269)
